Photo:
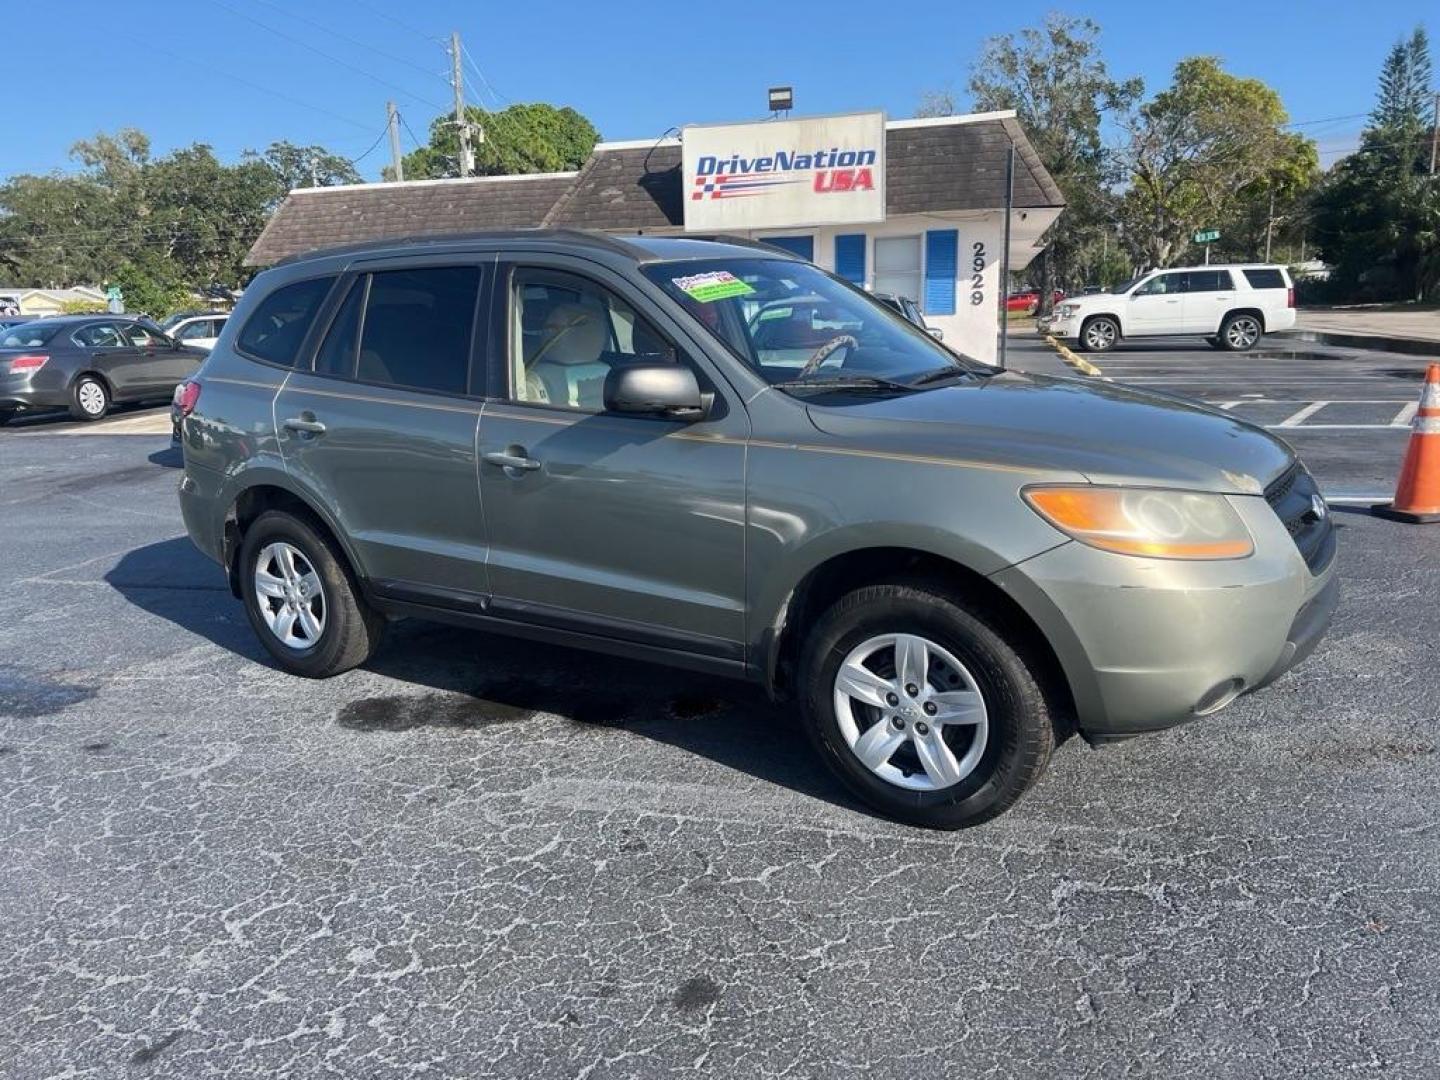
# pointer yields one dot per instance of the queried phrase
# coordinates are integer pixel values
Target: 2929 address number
(977, 273)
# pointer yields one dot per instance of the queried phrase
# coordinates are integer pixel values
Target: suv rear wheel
(1239, 332)
(301, 600)
(923, 707)
(1099, 334)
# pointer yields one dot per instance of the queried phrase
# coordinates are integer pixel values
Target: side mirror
(935, 332)
(666, 390)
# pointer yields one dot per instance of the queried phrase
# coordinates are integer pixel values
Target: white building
(927, 222)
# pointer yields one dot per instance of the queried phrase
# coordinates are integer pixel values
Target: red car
(1027, 300)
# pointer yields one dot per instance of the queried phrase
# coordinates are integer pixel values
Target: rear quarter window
(277, 329)
(1265, 278)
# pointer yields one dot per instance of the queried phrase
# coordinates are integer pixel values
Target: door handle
(513, 458)
(304, 426)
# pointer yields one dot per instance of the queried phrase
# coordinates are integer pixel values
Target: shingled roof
(627, 187)
(312, 218)
(637, 185)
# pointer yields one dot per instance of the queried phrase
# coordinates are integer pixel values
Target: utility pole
(1435, 136)
(1269, 224)
(393, 124)
(462, 126)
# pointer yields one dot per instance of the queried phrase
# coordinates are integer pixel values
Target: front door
(380, 425)
(1157, 306)
(629, 527)
(160, 363)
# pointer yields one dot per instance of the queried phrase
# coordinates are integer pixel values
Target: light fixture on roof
(782, 99)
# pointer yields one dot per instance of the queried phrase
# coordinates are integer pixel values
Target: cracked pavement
(479, 857)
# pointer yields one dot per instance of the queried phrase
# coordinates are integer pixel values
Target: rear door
(1156, 307)
(1209, 294)
(110, 353)
(380, 424)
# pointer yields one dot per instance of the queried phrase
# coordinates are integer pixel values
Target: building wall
(972, 327)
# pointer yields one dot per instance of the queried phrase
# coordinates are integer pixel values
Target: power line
(353, 41)
(494, 94)
(209, 66)
(333, 59)
(418, 144)
(433, 38)
(383, 132)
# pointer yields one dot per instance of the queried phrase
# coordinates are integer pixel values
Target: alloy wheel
(1100, 335)
(910, 712)
(289, 595)
(1242, 332)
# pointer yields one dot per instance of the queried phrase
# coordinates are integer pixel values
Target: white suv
(1230, 306)
(198, 331)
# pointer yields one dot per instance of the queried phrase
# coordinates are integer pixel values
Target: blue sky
(193, 70)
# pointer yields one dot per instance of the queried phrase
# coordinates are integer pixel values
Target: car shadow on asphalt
(473, 680)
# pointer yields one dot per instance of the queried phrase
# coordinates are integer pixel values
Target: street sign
(1207, 236)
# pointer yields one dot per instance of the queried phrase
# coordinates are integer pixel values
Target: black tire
(1231, 340)
(90, 389)
(1021, 734)
(351, 630)
(1093, 336)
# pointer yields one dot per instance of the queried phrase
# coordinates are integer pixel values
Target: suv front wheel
(301, 600)
(923, 707)
(1099, 334)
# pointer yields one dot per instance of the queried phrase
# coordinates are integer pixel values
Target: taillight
(1290, 296)
(27, 365)
(187, 395)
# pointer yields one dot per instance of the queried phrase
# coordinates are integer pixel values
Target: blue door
(804, 246)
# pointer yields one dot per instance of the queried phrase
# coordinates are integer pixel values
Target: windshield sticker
(716, 285)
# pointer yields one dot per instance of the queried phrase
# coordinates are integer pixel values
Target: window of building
(417, 328)
(897, 265)
(277, 329)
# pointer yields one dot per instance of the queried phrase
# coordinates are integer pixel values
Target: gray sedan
(88, 363)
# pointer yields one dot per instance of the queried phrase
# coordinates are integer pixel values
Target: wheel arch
(98, 376)
(272, 492)
(1259, 313)
(1113, 316)
(845, 571)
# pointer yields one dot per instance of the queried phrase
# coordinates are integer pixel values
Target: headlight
(1067, 309)
(1142, 521)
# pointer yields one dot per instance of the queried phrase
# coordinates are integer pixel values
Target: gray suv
(637, 446)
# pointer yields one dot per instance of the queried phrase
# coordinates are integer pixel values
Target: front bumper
(1058, 326)
(1146, 644)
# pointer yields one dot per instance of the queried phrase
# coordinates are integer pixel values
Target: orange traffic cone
(1417, 494)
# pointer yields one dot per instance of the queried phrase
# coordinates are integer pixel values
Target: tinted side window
(417, 327)
(1208, 281)
(143, 337)
(1263, 278)
(278, 327)
(337, 352)
(99, 336)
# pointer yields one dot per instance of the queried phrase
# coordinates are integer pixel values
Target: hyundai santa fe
(636, 445)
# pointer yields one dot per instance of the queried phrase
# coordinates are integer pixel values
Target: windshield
(795, 324)
(1121, 289)
(27, 336)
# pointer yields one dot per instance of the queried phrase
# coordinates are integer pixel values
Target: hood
(1102, 432)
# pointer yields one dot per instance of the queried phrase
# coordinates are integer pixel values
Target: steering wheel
(824, 352)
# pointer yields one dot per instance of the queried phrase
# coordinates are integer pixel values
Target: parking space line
(1301, 415)
(1406, 415)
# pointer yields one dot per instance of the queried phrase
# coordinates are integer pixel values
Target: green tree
(1056, 80)
(1377, 216)
(530, 138)
(304, 166)
(1193, 149)
(152, 284)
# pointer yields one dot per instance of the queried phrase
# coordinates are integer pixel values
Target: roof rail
(582, 236)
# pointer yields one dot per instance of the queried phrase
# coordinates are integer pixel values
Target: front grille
(1292, 497)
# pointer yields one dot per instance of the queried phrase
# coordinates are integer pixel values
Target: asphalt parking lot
(479, 857)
